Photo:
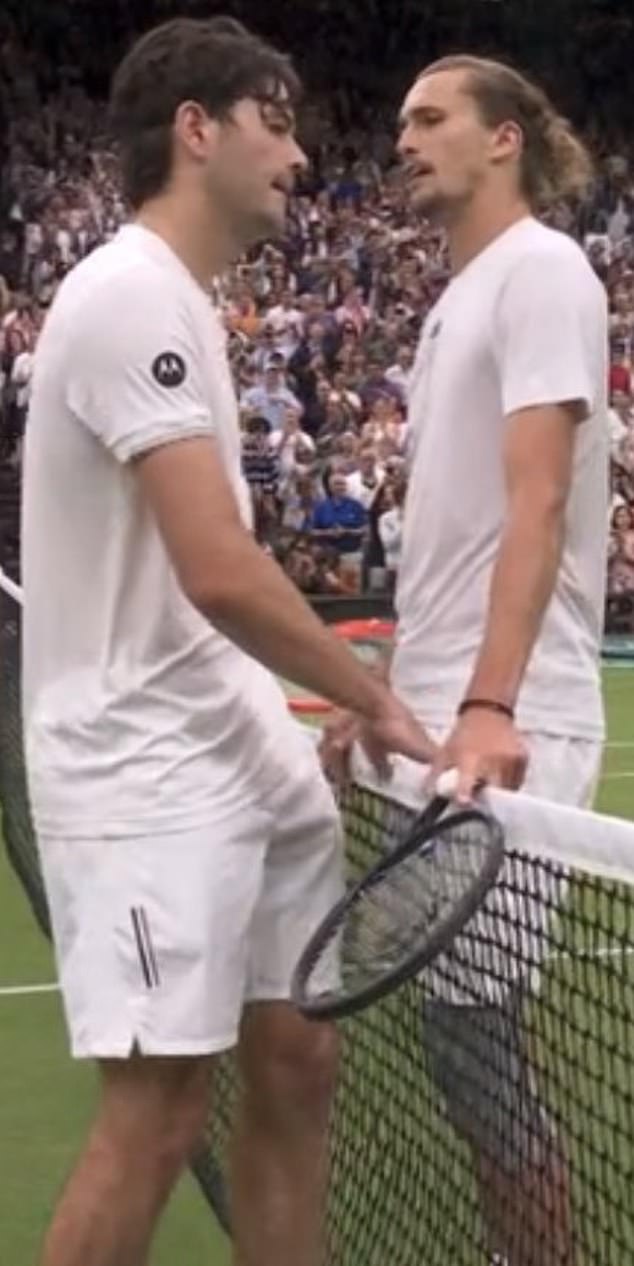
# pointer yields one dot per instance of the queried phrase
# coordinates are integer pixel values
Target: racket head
(403, 913)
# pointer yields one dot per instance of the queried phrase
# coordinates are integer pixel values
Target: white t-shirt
(138, 714)
(360, 490)
(390, 528)
(524, 324)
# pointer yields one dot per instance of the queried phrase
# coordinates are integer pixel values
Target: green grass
(46, 1100)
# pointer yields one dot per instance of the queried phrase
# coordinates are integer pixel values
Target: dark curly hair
(216, 62)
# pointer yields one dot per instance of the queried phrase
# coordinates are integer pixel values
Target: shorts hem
(265, 993)
(153, 1047)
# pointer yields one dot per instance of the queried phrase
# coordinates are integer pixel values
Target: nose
(299, 160)
(405, 144)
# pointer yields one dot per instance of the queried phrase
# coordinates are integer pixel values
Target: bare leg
(152, 1112)
(280, 1148)
(528, 1215)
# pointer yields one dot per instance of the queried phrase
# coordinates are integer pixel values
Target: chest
(455, 388)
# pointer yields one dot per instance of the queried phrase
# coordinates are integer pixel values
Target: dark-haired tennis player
(501, 591)
(188, 838)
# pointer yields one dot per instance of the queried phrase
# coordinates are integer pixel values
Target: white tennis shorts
(161, 940)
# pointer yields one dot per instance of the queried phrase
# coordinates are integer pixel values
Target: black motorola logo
(169, 369)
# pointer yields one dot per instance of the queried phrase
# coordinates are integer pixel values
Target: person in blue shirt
(339, 520)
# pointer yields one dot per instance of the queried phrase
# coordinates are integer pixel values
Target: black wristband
(487, 705)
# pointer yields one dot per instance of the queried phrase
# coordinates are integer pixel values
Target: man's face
(338, 486)
(252, 160)
(273, 380)
(405, 358)
(447, 151)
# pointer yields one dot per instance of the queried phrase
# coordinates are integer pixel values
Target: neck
(201, 241)
(473, 228)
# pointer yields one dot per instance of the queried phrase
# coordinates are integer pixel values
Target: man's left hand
(485, 747)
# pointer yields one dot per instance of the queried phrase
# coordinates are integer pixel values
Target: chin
(273, 223)
(432, 206)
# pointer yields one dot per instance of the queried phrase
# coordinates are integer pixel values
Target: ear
(194, 128)
(507, 142)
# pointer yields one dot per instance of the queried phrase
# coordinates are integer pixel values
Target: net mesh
(484, 1112)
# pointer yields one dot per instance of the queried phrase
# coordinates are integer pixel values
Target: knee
(294, 1070)
(161, 1117)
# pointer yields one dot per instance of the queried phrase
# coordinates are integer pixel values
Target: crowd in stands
(322, 328)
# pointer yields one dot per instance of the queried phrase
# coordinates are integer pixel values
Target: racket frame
(419, 839)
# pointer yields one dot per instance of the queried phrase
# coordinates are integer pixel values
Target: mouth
(283, 187)
(417, 171)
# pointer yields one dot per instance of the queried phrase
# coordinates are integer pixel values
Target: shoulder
(546, 255)
(354, 506)
(115, 280)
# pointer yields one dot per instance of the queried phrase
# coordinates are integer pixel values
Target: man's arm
(538, 459)
(538, 463)
(228, 578)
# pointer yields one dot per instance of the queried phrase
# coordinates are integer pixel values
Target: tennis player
(500, 597)
(188, 838)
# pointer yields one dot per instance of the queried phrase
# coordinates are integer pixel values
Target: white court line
(626, 773)
(20, 991)
(621, 743)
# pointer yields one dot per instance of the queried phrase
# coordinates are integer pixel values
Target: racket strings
(407, 903)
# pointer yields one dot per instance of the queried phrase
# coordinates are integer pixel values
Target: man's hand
(340, 733)
(484, 747)
(395, 730)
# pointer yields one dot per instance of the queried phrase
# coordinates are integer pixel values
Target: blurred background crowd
(322, 327)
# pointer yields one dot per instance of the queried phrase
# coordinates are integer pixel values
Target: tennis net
(512, 1061)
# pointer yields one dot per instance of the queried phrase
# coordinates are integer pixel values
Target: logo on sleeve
(169, 369)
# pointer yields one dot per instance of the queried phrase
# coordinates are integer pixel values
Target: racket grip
(447, 783)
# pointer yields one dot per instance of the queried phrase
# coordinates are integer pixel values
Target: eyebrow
(278, 109)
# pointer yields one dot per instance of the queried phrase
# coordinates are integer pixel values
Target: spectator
(363, 484)
(294, 448)
(341, 522)
(286, 323)
(299, 501)
(390, 527)
(376, 387)
(620, 368)
(271, 398)
(399, 373)
(259, 463)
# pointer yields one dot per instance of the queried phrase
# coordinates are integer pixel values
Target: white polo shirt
(524, 324)
(138, 714)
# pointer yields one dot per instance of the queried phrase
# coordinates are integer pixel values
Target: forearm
(523, 582)
(260, 609)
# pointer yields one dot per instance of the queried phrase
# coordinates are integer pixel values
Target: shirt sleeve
(138, 375)
(546, 335)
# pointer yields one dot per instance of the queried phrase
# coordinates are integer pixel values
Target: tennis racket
(403, 913)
